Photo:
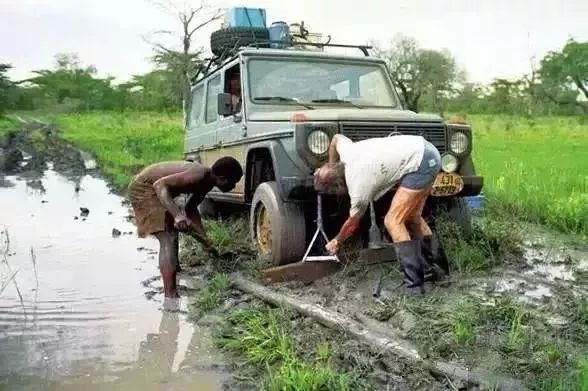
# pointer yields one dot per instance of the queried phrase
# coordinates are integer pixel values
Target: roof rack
(217, 61)
(363, 48)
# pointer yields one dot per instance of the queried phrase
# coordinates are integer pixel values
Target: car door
(199, 135)
(227, 131)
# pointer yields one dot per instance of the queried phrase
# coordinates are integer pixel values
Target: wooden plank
(384, 254)
(300, 271)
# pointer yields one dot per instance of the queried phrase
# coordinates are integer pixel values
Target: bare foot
(172, 294)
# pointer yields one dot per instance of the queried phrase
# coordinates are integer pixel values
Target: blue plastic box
(245, 17)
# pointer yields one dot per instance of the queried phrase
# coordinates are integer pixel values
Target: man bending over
(152, 194)
(367, 170)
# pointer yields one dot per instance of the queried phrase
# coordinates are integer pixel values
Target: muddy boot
(410, 258)
(436, 262)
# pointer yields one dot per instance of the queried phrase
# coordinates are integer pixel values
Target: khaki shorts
(150, 214)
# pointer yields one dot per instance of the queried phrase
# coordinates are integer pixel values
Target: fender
(289, 174)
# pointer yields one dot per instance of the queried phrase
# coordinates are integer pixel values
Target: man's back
(159, 170)
(372, 166)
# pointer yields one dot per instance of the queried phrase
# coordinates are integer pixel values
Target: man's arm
(333, 154)
(184, 179)
(196, 228)
(349, 227)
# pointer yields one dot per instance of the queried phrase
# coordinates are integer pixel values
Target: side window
(196, 117)
(214, 88)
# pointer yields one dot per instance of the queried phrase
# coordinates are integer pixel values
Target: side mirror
(224, 104)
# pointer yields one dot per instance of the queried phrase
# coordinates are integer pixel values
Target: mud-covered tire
(231, 38)
(278, 228)
(208, 208)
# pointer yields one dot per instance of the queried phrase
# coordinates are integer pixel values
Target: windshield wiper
(334, 100)
(283, 99)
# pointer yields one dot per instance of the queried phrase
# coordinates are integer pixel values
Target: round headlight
(449, 163)
(459, 142)
(318, 142)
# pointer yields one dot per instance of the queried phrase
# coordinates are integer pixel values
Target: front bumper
(472, 185)
(302, 187)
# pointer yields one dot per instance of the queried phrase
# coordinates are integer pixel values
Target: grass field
(535, 168)
(7, 123)
(125, 142)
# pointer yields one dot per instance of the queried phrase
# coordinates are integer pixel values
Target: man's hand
(181, 222)
(333, 247)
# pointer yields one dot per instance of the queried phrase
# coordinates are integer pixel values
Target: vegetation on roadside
(124, 143)
(264, 339)
(497, 334)
(491, 242)
(535, 168)
(8, 123)
(212, 296)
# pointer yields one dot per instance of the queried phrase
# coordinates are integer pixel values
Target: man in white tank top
(368, 169)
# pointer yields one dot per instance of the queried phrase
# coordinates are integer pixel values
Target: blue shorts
(425, 175)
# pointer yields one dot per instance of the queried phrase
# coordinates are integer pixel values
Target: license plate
(447, 184)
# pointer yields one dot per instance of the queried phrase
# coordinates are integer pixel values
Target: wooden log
(377, 341)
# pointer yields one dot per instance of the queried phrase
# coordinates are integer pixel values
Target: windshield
(319, 82)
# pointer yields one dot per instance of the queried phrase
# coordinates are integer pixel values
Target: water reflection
(84, 321)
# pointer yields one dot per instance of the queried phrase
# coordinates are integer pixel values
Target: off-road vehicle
(292, 102)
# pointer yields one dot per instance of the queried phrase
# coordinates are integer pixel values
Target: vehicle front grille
(432, 132)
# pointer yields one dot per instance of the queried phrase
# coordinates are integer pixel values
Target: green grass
(125, 142)
(8, 123)
(497, 334)
(493, 241)
(212, 296)
(264, 338)
(535, 168)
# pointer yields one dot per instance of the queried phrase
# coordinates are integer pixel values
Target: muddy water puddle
(91, 314)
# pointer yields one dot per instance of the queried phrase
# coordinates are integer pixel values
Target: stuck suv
(276, 110)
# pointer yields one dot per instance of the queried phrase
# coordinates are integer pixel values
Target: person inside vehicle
(152, 194)
(368, 169)
(235, 91)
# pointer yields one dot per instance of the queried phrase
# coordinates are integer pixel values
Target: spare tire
(227, 40)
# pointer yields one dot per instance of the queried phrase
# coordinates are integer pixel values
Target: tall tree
(72, 82)
(564, 75)
(417, 71)
(183, 60)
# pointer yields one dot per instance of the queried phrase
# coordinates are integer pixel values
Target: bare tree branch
(213, 18)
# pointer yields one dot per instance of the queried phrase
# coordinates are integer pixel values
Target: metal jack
(311, 267)
(319, 231)
(375, 235)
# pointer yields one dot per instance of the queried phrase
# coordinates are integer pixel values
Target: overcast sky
(489, 38)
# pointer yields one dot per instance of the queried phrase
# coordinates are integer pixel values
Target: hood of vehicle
(346, 114)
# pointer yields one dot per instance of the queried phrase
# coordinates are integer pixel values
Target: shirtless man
(152, 194)
(367, 170)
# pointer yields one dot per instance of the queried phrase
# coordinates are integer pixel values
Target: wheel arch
(265, 152)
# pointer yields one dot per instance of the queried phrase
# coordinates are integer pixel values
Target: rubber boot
(437, 264)
(410, 258)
